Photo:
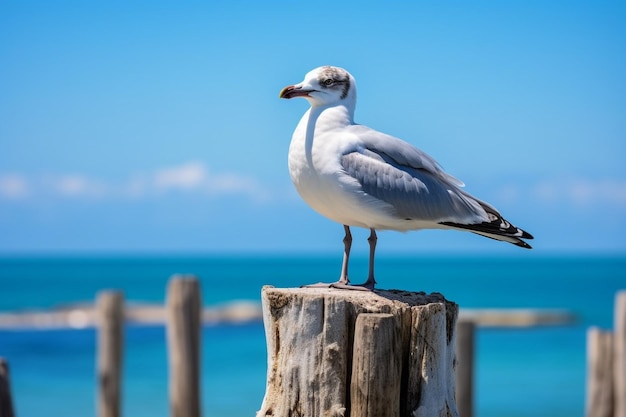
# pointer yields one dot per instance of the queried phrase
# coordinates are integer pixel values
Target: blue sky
(156, 126)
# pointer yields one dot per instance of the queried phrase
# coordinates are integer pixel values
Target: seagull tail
(496, 228)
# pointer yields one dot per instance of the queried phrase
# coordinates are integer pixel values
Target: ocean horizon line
(298, 254)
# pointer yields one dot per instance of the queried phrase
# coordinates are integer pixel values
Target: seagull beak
(292, 91)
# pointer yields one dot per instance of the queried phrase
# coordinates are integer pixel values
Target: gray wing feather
(414, 193)
(401, 152)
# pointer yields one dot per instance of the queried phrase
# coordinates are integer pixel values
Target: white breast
(314, 165)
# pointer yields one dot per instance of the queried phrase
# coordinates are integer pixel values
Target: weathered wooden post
(324, 347)
(184, 309)
(465, 330)
(6, 402)
(606, 366)
(619, 354)
(600, 401)
(110, 320)
(376, 366)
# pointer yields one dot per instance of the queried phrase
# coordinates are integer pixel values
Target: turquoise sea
(520, 372)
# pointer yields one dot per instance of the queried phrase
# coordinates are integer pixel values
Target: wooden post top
(375, 298)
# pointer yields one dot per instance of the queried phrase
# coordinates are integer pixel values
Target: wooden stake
(6, 402)
(110, 307)
(183, 339)
(465, 367)
(600, 400)
(619, 354)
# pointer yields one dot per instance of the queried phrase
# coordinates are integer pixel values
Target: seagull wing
(417, 188)
(402, 153)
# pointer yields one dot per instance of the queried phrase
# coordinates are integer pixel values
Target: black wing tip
(488, 229)
(523, 244)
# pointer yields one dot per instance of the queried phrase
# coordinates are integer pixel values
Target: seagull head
(324, 86)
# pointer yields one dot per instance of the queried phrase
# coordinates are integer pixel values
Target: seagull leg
(347, 245)
(370, 276)
(343, 282)
(371, 282)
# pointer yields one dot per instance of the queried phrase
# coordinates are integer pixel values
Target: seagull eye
(328, 82)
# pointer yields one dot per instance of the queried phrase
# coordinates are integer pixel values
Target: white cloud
(581, 193)
(192, 177)
(75, 185)
(195, 177)
(509, 194)
(13, 186)
(135, 187)
(229, 183)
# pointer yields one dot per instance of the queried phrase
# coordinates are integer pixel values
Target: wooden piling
(110, 310)
(600, 400)
(465, 367)
(606, 366)
(619, 354)
(319, 346)
(6, 401)
(184, 308)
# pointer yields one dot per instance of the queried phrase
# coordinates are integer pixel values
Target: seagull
(358, 176)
